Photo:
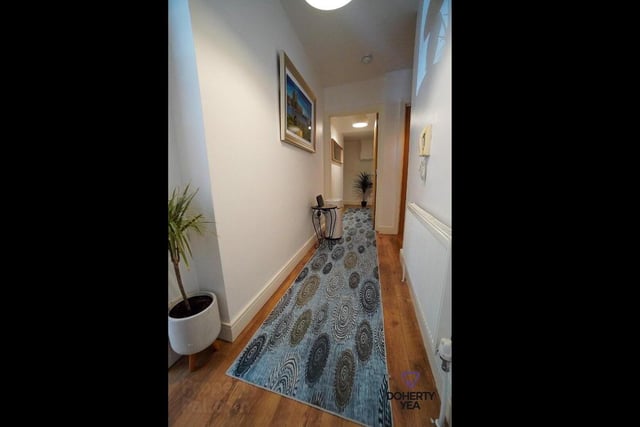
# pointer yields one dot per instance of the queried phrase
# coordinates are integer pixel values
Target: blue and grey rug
(323, 343)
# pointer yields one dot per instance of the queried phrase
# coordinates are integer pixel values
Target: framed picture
(336, 151)
(297, 107)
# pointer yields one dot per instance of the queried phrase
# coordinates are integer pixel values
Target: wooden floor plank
(209, 397)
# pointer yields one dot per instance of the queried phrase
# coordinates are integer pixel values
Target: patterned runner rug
(323, 343)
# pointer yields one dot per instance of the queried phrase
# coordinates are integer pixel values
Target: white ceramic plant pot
(192, 334)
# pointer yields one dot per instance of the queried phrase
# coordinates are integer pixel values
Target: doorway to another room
(353, 152)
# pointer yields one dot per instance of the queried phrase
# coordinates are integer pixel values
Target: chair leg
(192, 362)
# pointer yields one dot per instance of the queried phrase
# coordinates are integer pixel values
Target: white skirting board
(230, 330)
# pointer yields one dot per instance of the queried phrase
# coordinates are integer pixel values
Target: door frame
(372, 109)
(405, 170)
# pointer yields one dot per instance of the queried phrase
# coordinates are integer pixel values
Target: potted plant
(362, 184)
(194, 321)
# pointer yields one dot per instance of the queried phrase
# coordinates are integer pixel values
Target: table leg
(318, 228)
(331, 226)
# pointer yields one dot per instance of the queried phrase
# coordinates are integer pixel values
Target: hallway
(208, 397)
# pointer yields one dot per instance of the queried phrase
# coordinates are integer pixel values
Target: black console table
(316, 214)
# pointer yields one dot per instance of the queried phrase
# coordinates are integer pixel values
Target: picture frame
(297, 107)
(336, 152)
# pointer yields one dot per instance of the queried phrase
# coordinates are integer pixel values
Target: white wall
(262, 188)
(353, 165)
(432, 105)
(387, 95)
(187, 159)
(337, 169)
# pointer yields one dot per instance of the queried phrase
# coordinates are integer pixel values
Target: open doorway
(359, 149)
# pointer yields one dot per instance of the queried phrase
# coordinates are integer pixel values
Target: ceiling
(336, 40)
(342, 125)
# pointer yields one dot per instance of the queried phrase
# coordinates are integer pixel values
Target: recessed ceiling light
(327, 4)
(366, 59)
(361, 122)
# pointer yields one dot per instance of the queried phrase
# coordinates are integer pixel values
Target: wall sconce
(327, 4)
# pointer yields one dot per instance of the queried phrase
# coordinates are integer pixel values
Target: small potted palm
(362, 184)
(194, 321)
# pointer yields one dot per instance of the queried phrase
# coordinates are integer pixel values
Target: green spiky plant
(362, 184)
(181, 223)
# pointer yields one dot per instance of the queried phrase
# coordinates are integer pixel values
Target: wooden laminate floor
(208, 397)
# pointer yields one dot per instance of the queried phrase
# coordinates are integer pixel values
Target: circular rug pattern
(334, 285)
(354, 280)
(282, 304)
(317, 358)
(342, 362)
(307, 290)
(369, 296)
(319, 261)
(302, 274)
(366, 265)
(318, 398)
(284, 377)
(350, 260)
(300, 327)
(327, 268)
(344, 315)
(280, 330)
(364, 341)
(320, 318)
(337, 253)
(344, 376)
(252, 353)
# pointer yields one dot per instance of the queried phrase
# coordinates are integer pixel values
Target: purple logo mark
(410, 378)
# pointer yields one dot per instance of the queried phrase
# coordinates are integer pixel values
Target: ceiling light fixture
(361, 122)
(327, 4)
(366, 59)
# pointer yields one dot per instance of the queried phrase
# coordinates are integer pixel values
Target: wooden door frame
(405, 170)
(375, 170)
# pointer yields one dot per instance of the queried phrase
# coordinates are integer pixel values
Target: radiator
(426, 258)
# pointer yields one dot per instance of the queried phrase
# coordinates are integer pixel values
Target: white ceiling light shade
(328, 4)
(360, 122)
